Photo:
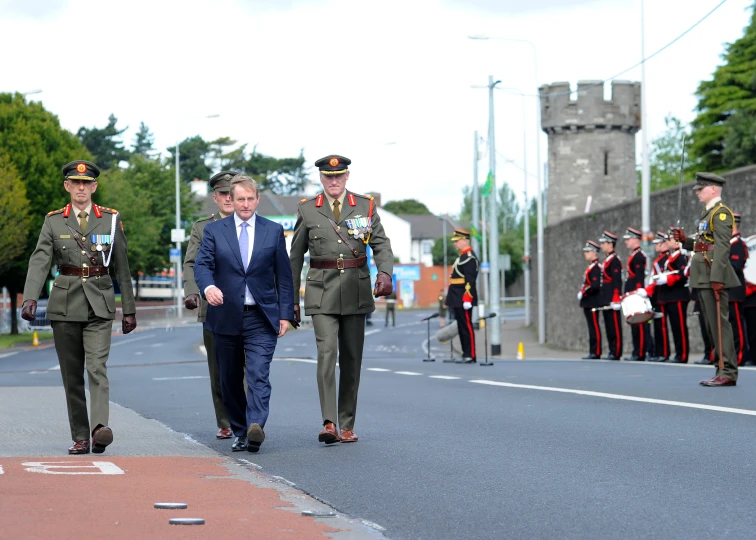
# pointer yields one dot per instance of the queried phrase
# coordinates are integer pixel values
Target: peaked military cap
(632, 233)
(736, 216)
(460, 234)
(81, 170)
(221, 182)
(704, 179)
(660, 237)
(333, 165)
(591, 245)
(607, 236)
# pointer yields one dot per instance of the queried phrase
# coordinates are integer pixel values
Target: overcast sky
(386, 84)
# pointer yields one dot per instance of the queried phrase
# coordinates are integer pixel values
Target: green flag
(475, 233)
(487, 188)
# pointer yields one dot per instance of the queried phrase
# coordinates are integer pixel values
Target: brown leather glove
(29, 310)
(192, 301)
(297, 316)
(717, 288)
(128, 324)
(383, 285)
(678, 234)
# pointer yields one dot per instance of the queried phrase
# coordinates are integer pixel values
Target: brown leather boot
(330, 434)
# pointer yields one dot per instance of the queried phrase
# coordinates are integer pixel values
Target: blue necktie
(244, 243)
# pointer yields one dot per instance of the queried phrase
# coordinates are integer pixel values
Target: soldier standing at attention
(611, 285)
(712, 274)
(673, 294)
(391, 308)
(589, 297)
(221, 186)
(336, 227)
(636, 276)
(463, 293)
(661, 338)
(82, 238)
(738, 258)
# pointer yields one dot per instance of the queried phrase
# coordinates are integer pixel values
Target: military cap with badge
(221, 182)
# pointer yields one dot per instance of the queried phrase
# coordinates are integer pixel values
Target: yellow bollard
(520, 351)
(35, 340)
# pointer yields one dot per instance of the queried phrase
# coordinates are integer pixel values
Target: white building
(425, 230)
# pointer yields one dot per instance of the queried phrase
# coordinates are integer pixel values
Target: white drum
(636, 309)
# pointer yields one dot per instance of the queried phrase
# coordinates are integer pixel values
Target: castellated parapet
(591, 146)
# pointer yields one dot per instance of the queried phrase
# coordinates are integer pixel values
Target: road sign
(408, 272)
(485, 267)
(178, 235)
(505, 262)
(175, 255)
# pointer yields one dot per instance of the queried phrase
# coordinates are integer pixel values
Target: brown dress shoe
(330, 434)
(347, 435)
(79, 447)
(225, 433)
(101, 437)
(719, 381)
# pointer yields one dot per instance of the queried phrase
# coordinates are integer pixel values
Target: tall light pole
(646, 167)
(493, 244)
(178, 232)
(526, 216)
(539, 189)
(475, 197)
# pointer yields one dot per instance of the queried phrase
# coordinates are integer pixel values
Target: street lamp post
(539, 189)
(493, 243)
(446, 262)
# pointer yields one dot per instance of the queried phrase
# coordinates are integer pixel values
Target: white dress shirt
(249, 300)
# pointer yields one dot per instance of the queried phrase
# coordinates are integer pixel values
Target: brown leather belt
(85, 271)
(457, 281)
(339, 264)
(703, 247)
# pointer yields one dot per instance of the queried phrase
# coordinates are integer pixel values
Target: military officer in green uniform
(221, 186)
(712, 274)
(336, 227)
(84, 240)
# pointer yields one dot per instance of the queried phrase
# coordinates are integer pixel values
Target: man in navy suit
(243, 271)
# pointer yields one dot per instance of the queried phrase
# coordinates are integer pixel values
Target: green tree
(194, 152)
(144, 193)
(37, 147)
(731, 91)
(406, 206)
(14, 215)
(664, 157)
(282, 176)
(437, 251)
(144, 142)
(105, 144)
(740, 140)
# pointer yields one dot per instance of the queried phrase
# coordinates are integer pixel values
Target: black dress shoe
(240, 444)
(255, 437)
(749, 363)
(659, 359)
(611, 357)
(704, 362)
(591, 357)
(465, 361)
(673, 361)
(634, 358)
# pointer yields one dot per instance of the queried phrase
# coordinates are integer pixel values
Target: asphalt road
(521, 449)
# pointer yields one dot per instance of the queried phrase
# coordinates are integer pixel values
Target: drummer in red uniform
(672, 288)
(636, 275)
(738, 258)
(589, 297)
(661, 340)
(611, 285)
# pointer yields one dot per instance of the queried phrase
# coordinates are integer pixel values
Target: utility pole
(645, 167)
(475, 197)
(493, 245)
(178, 226)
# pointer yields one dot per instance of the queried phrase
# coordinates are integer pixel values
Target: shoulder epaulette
(58, 211)
(110, 210)
(308, 199)
(368, 197)
(303, 200)
(206, 218)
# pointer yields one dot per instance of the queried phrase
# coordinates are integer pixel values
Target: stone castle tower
(591, 145)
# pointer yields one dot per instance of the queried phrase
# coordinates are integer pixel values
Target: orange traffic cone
(520, 351)
(35, 340)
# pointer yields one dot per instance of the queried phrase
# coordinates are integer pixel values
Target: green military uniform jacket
(714, 228)
(71, 296)
(195, 240)
(334, 291)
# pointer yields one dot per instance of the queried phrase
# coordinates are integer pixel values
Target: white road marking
(180, 378)
(445, 377)
(56, 367)
(138, 353)
(407, 373)
(6, 355)
(203, 349)
(1, 470)
(46, 467)
(371, 332)
(132, 340)
(156, 345)
(688, 405)
(377, 369)
(304, 360)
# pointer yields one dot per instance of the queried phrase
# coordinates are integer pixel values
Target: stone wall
(565, 325)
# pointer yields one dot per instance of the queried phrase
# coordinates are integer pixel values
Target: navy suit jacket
(268, 275)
